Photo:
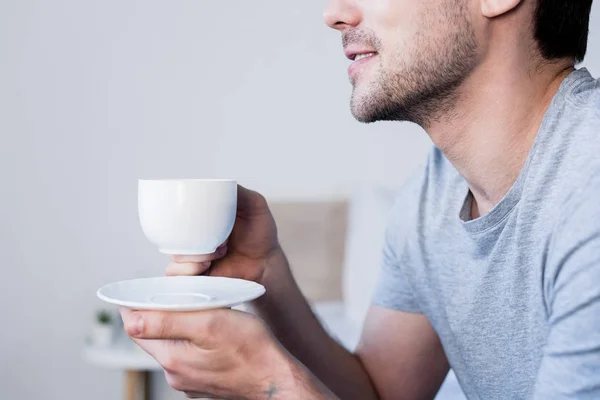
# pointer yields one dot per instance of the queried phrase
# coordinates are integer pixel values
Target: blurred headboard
(313, 235)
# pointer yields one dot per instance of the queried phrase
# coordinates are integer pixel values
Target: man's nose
(342, 14)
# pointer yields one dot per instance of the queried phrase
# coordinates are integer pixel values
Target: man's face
(409, 56)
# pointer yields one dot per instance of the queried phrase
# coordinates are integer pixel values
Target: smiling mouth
(359, 62)
(359, 57)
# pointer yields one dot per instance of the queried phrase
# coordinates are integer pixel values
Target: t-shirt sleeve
(570, 366)
(393, 290)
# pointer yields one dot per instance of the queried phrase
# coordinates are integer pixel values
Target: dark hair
(561, 28)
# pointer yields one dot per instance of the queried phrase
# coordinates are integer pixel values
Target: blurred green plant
(104, 317)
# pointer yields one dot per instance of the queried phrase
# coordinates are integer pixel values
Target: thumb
(158, 325)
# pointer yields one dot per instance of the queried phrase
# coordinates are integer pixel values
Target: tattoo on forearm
(271, 392)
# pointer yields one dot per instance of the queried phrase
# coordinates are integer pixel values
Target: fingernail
(137, 327)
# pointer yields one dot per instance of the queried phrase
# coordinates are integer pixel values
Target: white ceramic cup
(187, 217)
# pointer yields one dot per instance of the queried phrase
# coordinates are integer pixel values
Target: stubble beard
(423, 86)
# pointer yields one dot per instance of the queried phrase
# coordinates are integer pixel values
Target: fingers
(168, 353)
(250, 203)
(156, 348)
(194, 265)
(175, 356)
(195, 258)
(202, 258)
(196, 327)
(199, 395)
(188, 268)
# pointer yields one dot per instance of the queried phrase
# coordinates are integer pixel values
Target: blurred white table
(136, 364)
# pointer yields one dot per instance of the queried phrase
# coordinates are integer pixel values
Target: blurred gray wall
(95, 94)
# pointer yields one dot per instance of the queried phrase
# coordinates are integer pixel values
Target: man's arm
(404, 354)
(570, 367)
(400, 355)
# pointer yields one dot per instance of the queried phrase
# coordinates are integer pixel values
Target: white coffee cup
(187, 217)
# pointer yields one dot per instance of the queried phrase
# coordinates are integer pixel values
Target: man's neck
(491, 130)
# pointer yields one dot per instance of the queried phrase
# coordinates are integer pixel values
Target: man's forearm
(293, 323)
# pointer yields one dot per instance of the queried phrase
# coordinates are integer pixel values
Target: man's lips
(360, 58)
(356, 54)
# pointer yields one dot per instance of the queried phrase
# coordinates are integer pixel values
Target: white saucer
(180, 293)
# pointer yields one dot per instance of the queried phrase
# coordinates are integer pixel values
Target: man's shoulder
(428, 194)
(585, 89)
(583, 109)
(574, 251)
(428, 181)
(577, 222)
(569, 151)
(581, 210)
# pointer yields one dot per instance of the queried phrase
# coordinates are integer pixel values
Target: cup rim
(187, 180)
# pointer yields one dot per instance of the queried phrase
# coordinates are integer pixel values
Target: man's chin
(363, 108)
(361, 116)
(374, 106)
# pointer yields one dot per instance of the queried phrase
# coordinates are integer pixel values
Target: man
(492, 256)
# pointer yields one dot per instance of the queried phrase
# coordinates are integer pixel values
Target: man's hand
(252, 246)
(253, 252)
(220, 354)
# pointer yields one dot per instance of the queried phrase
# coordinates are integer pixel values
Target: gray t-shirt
(514, 295)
